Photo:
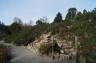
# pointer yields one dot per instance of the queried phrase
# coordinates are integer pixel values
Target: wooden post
(53, 57)
(77, 50)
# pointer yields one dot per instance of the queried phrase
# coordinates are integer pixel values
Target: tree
(1, 24)
(17, 20)
(30, 23)
(39, 22)
(42, 21)
(58, 18)
(79, 16)
(94, 10)
(84, 11)
(71, 13)
(16, 25)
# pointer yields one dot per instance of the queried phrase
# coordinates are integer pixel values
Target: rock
(66, 46)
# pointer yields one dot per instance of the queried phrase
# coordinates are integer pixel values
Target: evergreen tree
(79, 16)
(94, 10)
(84, 11)
(58, 18)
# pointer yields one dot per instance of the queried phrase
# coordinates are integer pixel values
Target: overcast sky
(34, 9)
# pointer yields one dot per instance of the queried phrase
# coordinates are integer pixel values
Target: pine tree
(58, 18)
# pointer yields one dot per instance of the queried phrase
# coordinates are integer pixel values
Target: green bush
(46, 49)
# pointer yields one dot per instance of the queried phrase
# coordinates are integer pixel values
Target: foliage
(84, 27)
(4, 54)
(47, 48)
(79, 16)
(15, 27)
(71, 13)
(3, 31)
(84, 11)
(42, 21)
(58, 18)
(27, 34)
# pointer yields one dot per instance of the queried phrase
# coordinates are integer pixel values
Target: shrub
(4, 53)
(46, 49)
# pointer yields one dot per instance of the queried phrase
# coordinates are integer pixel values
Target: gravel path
(24, 55)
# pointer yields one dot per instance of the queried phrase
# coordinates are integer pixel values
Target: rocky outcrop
(66, 47)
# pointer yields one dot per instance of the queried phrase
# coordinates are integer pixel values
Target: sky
(28, 10)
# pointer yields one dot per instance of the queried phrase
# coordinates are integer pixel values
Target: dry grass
(4, 53)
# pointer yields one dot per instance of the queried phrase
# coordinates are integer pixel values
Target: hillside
(75, 24)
